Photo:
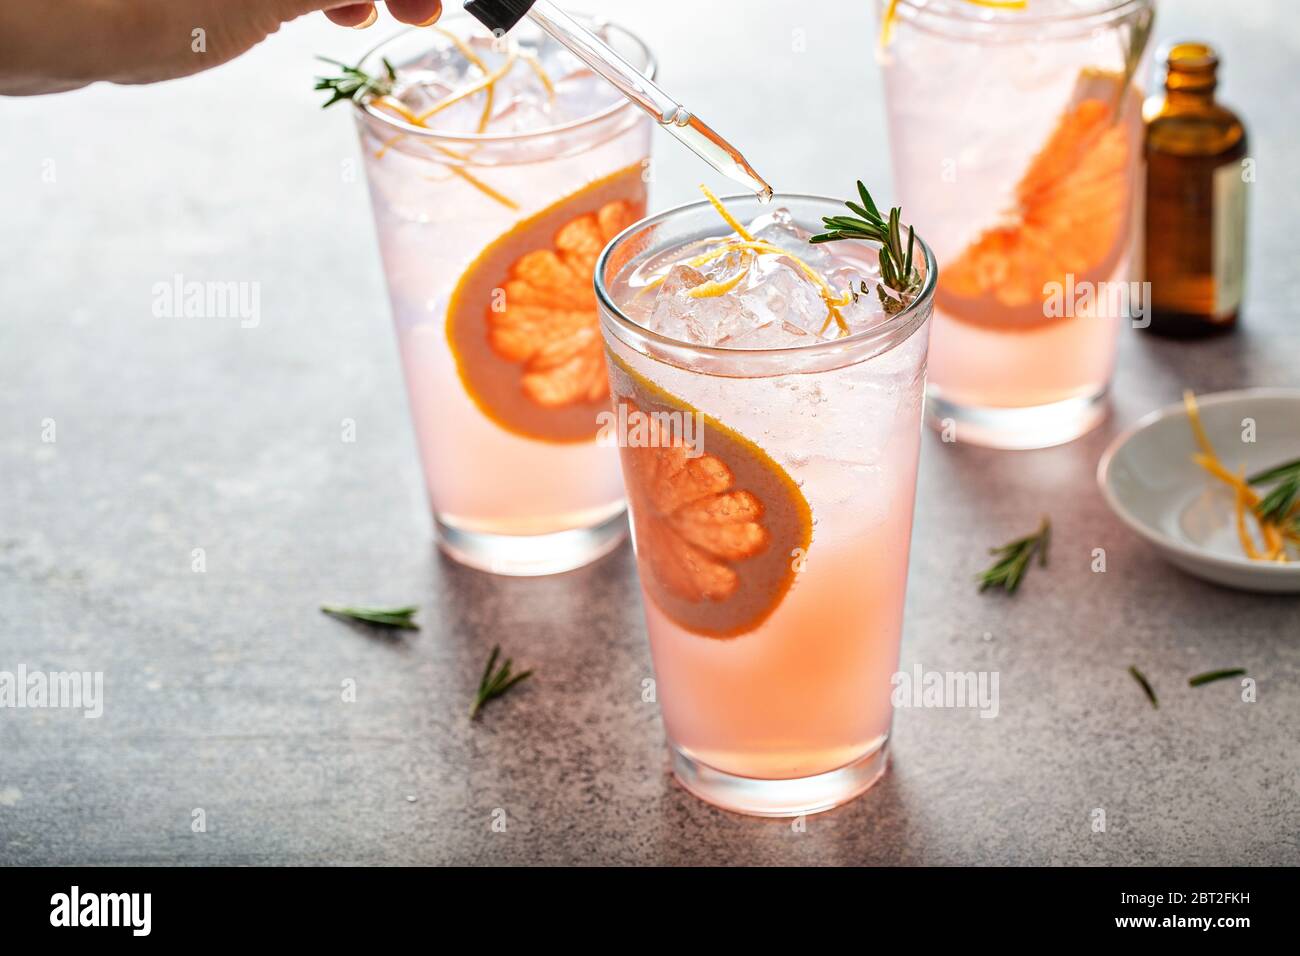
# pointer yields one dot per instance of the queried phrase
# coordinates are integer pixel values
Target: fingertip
(355, 15)
(420, 13)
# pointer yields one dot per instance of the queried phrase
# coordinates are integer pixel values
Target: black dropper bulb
(499, 16)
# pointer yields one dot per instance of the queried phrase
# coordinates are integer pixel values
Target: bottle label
(1229, 238)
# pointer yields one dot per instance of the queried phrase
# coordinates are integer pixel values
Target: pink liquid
(969, 115)
(1069, 358)
(439, 205)
(483, 478)
(809, 690)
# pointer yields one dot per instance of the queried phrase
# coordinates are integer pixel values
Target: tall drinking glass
(1017, 144)
(771, 493)
(490, 214)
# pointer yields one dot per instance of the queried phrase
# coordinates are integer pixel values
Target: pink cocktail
(1017, 144)
(498, 169)
(770, 458)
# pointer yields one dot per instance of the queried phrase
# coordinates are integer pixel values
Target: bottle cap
(499, 16)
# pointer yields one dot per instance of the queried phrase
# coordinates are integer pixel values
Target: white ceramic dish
(1148, 478)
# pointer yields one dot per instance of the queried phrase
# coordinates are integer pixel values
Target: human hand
(49, 47)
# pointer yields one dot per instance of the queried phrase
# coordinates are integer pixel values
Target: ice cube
(560, 64)
(774, 305)
(521, 114)
(422, 89)
(773, 335)
(779, 229)
(778, 292)
(779, 218)
(521, 100)
(719, 320)
(582, 93)
(674, 310)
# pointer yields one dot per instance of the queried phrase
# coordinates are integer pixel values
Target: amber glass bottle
(1196, 199)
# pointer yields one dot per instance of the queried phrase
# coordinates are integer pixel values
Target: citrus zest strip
(485, 83)
(714, 287)
(818, 279)
(1245, 497)
(833, 303)
(468, 53)
(699, 260)
(475, 60)
(465, 49)
(400, 108)
(1243, 532)
(1218, 471)
(828, 294)
(747, 242)
(1198, 430)
(703, 258)
(474, 181)
(887, 23)
(833, 315)
(545, 78)
(1273, 539)
(727, 217)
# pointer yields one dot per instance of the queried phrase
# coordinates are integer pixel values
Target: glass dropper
(500, 16)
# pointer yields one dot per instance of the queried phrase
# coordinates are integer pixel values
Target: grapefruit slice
(1070, 216)
(719, 526)
(522, 321)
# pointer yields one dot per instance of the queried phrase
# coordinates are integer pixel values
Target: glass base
(1034, 426)
(779, 798)
(531, 555)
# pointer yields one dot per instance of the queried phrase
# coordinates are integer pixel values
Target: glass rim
(400, 125)
(914, 313)
(969, 15)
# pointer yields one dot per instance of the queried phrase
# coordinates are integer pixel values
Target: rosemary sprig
(401, 617)
(1014, 558)
(1211, 676)
(1146, 685)
(896, 268)
(355, 83)
(1276, 506)
(496, 681)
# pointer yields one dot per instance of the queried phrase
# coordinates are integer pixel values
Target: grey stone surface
(223, 688)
